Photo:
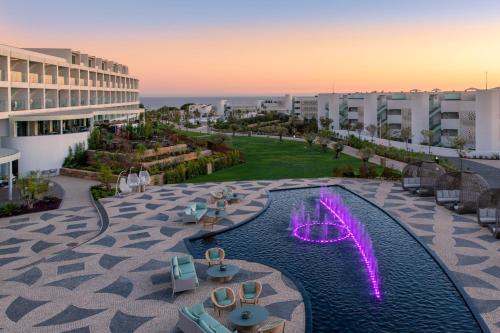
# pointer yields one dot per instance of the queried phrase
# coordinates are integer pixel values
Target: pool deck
(119, 281)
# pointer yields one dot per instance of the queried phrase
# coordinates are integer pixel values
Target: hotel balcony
(49, 79)
(18, 70)
(3, 68)
(452, 124)
(18, 76)
(394, 119)
(18, 105)
(35, 78)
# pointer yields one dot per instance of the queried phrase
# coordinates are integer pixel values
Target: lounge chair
(215, 256)
(123, 186)
(221, 204)
(195, 319)
(250, 292)
(411, 182)
(274, 327)
(183, 274)
(194, 212)
(133, 181)
(227, 192)
(144, 177)
(223, 298)
(447, 196)
(487, 216)
(216, 195)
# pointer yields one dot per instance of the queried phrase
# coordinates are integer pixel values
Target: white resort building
(50, 99)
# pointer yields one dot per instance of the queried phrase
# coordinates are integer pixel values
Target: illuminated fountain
(339, 225)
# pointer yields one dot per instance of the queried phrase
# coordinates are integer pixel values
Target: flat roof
(9, 155)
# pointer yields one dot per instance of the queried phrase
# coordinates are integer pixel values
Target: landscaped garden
(274, 159)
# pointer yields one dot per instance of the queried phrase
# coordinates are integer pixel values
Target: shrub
(99, 192)
(32, 188)
(9, 209)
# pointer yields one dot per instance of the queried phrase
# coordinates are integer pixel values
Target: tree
(94, 140)
(233, 128)
(406, 135)
(309, 137)
(280, 130)
(326, 122)
(372, 129)
(324, 139)
(365, 154)
(105, 176)
(386, 133)
(459, 143)
(140, 149)
(359, 126)
(156, 148)
(32, 188)
(338, 147)
(428, 138)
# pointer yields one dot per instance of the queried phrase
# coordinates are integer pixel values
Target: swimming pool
(417, 296)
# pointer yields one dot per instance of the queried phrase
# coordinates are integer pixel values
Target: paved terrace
(120, 281)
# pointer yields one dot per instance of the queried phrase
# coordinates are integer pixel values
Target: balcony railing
(74, 102)
(3, 75)
(93, 101)
(18, 105)
(63, 103)
(49, 79)
(83, 83)
(62, 80)
(3, 106)
(72, 81)
(50, 103)
(18, 76)
(35, 78)
(83, 102)
(36, 104)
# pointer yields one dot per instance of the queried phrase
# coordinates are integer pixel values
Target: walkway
(120, 281)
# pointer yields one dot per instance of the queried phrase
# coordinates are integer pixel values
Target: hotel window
(73, 59)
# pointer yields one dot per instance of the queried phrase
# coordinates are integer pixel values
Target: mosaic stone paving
(120, 281)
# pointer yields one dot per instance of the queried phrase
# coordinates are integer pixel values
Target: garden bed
(11, 209)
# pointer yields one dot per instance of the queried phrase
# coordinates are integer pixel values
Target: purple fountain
(342, 226)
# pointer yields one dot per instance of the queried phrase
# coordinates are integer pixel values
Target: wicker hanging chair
(421, 177)
(488, 210)
(460, 190)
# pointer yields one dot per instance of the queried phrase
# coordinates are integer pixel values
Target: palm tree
(428, 138)
(309, 137)
(459, 143)
(406, 135)
(234, 128)
(359, 126)
(338, 147)
(365, 154)
(372, 129)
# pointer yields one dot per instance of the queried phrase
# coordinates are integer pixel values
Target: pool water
(417, 296)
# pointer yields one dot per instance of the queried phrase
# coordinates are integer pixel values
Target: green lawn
(272, 159)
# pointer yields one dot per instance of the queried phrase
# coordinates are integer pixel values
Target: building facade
(50, 98)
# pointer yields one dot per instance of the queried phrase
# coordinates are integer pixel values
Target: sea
(152, 103)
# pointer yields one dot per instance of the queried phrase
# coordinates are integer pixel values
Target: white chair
(144, 177)
(133, 180)
(123, 186)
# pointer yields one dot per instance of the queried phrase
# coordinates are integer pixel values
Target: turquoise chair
(250, 292)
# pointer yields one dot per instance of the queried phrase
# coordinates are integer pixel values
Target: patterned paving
(120, 281)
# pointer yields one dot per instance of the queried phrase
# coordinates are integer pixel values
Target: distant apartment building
(225, 108)
(51, 98)
(472, 114)
(305, 106)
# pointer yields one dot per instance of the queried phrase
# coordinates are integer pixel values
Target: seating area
(194, 212)
(183, 274)
(245, 314)
(420, 177)
(132, 182)
(460, 190)
(488, 212)
(195, 319)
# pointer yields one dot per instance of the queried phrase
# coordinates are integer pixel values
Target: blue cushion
(249, 287)
(221, 294)
(221, 204)
(197, 310)
(177, 273)
(184, 260)
(213, 253)
(189, 314)
(249, 295)
(205, 327)
(174, 261)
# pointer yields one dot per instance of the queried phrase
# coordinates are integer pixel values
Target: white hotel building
(50, 99)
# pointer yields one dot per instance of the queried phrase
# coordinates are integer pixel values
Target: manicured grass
(271, 159)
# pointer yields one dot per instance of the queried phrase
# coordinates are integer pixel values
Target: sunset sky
(267, 47)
